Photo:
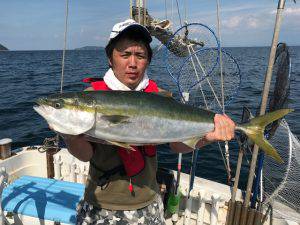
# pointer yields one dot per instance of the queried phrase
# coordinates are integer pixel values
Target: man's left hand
(224, 129)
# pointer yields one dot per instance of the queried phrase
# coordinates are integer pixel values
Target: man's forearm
(79, 147)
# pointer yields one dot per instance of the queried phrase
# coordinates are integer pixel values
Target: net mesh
(205, 90)
(282, 181)
(187, 40)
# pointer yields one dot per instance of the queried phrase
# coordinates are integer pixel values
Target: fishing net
(195, 68)
(187, 40)
(205, 91)
(282, 181)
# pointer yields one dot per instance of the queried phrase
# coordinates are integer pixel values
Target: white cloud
(237, 9)
(253, 22)
(289, 11)
(292, 11)
(247, 21)
(233, 22)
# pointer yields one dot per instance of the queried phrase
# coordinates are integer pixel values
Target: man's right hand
(78, 146)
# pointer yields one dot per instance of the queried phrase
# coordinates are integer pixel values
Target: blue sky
(39, 24)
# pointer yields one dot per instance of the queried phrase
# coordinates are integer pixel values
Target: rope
(139, 11)
(206, 105)
(166, 13)
(144, 12)
(198, 79)
(130, 9)
(222, 87)
(205, 75)
(178, 11)
(224, 161)
(65, 46)
(63, 61)
(220, 53)
(185, 11)
(172, 15)
(49, 144)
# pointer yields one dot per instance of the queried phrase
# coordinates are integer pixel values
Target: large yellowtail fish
(138, 118)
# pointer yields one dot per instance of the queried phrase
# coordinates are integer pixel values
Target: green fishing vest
(115, 194)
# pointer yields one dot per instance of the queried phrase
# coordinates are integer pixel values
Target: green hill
(89, 48)
(3, 48)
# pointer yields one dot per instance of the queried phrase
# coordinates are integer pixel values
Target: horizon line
(80, 48)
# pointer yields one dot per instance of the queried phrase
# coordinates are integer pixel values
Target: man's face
(129, 62)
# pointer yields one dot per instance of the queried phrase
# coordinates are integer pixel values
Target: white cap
(127, 25)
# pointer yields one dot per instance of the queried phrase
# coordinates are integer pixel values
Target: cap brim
(138, 28)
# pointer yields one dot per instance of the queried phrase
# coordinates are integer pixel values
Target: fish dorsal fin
(192, 142)
(164, 93)
(115, 119)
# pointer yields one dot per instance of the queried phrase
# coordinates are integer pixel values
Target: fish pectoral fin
(164, 93)
(122, 145)
(192, 142)
(115, 119)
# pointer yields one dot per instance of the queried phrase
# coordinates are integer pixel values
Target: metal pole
(251, 216)
(263, 105)
(231, 204)
(230, 212)
(237, 174)
(237, 213)
(257, 179)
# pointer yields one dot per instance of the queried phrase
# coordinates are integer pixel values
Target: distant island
(3, 48)
(89, 48)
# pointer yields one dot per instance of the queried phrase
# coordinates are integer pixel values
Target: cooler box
(43, 198)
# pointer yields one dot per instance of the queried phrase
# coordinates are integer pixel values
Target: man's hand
(78, 146)
(224, 129)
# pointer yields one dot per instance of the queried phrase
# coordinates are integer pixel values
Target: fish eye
(57, 105)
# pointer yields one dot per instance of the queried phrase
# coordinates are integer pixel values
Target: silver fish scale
(149, 130)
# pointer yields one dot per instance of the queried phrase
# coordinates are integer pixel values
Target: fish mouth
(41, 101)
(40, 106)
(41, 109)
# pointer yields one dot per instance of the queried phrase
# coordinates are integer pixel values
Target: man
(121, 186)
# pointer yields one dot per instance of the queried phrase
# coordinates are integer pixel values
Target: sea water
(28, 75)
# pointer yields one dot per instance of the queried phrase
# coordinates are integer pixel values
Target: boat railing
(68, 168)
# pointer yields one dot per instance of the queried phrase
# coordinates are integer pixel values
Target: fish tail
(255, 128)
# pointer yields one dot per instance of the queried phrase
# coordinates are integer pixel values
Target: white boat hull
(207, 204)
